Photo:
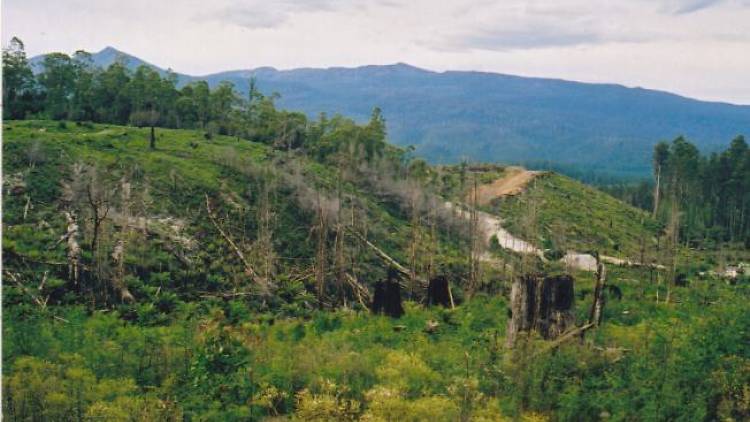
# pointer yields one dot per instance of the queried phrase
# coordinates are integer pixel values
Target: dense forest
(72, 88)
(189, 254)
(709, 193)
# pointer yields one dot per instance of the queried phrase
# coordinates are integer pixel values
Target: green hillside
(200, 337)
(51, 168)
(577, 217)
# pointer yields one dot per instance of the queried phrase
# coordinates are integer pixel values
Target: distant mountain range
(491, 117)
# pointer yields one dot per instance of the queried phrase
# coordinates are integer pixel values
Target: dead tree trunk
(320, 254)
(673, 230)
(657, 190)
(522, 297)
(339, 260)
(118, 254)
(385, 257)
(249, 271)
(118, 281)
(474, 243)
(99, 204)
(597, 307)
(74, 249)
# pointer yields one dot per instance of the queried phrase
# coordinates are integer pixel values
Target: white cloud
(693, 47)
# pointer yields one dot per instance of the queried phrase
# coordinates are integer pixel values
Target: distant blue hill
(449, 116)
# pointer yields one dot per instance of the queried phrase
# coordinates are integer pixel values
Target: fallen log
(392, 262)
(41, 302)
(249, 271)
(359, 290)
(575, 333)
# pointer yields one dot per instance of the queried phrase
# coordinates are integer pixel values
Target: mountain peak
(407, 66)
(109, 53)
(108, 50)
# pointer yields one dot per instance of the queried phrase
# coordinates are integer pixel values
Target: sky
(696, 48)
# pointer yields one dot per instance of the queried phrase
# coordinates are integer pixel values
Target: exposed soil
(513, 183)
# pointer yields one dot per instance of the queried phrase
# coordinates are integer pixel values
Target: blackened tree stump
(541, 304)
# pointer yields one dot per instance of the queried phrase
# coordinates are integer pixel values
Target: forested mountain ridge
(449, 116)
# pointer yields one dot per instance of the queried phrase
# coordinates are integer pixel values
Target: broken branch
(385, 257)
(577, 332)
(248, 269)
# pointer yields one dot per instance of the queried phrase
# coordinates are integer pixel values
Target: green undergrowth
(573, 216)
(687, 360)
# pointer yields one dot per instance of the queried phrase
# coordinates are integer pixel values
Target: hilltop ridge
(453, 115)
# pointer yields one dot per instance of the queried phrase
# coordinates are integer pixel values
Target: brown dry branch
(249, 271)
(572, 334)
(39, 300)
(385, 257)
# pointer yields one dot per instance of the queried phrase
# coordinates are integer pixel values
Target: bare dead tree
(597, 306)
(414, 205)
(35, 153)
(118, 281)
(339, 248)
(673, 239)
(657, 190)
(321, 230)
(27, 207)
(118, 253)
(99, 203)
(433, 245)
(387, 258)
(37, 296)
(474, 240)
(264, 240)
(74, 249)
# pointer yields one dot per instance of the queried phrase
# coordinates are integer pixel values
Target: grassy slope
(590, 219)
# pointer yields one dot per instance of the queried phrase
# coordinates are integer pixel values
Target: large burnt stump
(387, 297)
(541, 304)
(438, 292)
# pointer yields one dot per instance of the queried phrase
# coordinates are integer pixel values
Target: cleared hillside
(198, 337)
(556, 211)
(269, 203)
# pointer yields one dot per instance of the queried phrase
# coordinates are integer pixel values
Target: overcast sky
(697, 48)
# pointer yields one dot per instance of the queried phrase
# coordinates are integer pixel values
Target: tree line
(706, 194)
(71, 87)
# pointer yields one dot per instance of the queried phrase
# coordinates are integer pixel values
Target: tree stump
(387, 297)
(438, 292)
(541, 304)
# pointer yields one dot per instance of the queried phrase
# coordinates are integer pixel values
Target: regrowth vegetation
(193, 255)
